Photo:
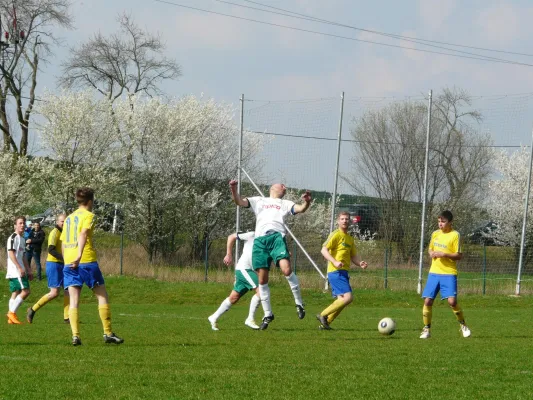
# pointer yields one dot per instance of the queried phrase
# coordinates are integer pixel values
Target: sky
(224, 57)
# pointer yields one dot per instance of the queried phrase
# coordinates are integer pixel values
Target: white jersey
(270, 214)
(245, 261)
(15, 243)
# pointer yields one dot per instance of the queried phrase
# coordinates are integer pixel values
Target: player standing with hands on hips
(270, 244)
(445, 251)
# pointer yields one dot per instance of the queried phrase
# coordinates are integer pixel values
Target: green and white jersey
(270, 214)
(16, 244)
(245, 261)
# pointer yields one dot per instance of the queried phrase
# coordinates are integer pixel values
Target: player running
(245, 280)
(270, 244)
(339, 249)
(54, 272)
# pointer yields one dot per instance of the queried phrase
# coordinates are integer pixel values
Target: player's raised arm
(300, 208)
(236, 197)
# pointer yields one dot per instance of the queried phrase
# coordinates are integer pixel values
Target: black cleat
(76, 341)
(66, 320)
(266, 320)
(30, 314)
(113, 339)
(301, 312)
(323, 322)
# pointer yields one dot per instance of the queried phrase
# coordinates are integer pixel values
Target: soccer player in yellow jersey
(339, 249)
(445, 251)
(81, 265)
(54, 272)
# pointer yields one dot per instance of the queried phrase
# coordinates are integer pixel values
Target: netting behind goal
(381, 179)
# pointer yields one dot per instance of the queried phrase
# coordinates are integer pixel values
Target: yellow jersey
(74, 223)
(54, 239)
(448, 243)
(341, 246)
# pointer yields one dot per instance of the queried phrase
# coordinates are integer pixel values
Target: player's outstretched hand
(307, 196)
(228, 259)
(233, 183)
(363, 264)
(338, 264)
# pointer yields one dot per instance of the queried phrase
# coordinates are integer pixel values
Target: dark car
(46, 218)
(482, 234)
(366, 216)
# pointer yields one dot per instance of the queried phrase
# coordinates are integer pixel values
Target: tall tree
(29, 27)
(127, 62)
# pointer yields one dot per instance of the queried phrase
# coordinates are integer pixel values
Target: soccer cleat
(465, 331)
(300, 310)
(213, 322)
(12, 317)
(426, 334)
(321, 327)
(113, 339)
(266, 320)
(251, 324)
(30, 314)
(76, 341)
(66, 320)
(323, 322)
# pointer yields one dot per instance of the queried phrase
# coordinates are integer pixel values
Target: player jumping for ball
(445, 251)
(270, 244)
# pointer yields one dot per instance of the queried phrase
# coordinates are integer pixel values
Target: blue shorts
(340, 282)
(446, 284)
(88, 273)
(54, 273)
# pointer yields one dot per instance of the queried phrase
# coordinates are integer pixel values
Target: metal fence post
(386, 266)
(484, 267)
(121, 250)
(206, 258)
(424, 198)
(239, 176)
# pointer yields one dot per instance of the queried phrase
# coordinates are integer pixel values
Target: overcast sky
(223, 57)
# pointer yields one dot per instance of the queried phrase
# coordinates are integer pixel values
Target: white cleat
(426, 334)
(251, 324)
(213, 323)
(465, 331)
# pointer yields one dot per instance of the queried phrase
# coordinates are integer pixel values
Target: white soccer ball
(387, 326)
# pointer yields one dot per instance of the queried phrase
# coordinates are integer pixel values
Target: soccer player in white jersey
(18, 270)
(270, 244)
(245, 280)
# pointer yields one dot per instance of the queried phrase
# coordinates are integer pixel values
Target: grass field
(170, 351)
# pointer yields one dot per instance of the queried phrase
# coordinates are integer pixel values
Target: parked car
(481, 235)
(366, 216)
(46, 218)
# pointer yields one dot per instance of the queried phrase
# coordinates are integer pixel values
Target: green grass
(171, 353)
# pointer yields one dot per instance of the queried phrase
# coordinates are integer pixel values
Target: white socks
(264, 292)
(294, 283)
(254, 304)
(225, 306)
(14, 304)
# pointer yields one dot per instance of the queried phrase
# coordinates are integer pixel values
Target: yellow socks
(74, 321)
(42, 301)
(333, 315)
(337, 305)
(426, 315)
(66, 305)
(105, 316)
(458, 313)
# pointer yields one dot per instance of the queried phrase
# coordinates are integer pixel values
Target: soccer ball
(387, 326)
